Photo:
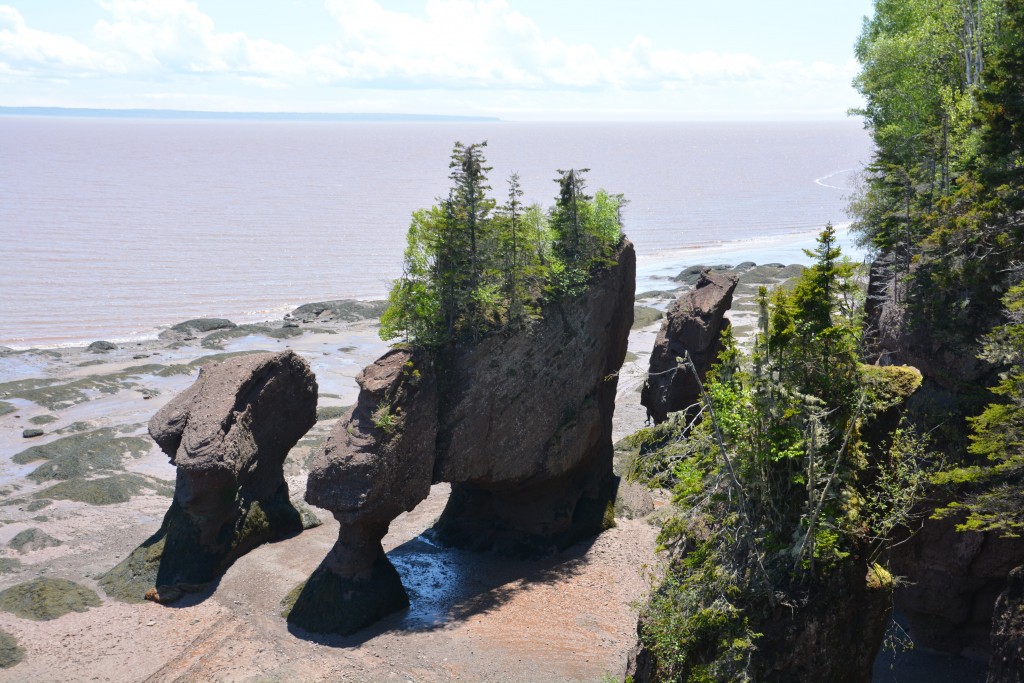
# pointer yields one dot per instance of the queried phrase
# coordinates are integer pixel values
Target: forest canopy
(473, 265)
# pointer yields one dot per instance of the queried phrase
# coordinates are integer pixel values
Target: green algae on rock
(10, 652)
(9, 565)
(644, 316)
(119, 488)
(44, 599)
(32, 539)
(82, 454)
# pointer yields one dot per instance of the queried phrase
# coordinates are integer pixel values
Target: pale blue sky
(517, 59)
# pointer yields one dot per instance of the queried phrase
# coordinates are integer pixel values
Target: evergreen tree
(570, 216)
(470, 209)
(470, 268)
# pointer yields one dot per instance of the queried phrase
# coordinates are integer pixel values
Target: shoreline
(652, 269)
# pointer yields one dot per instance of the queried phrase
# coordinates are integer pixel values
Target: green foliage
(777, 483)
(385, 420)
(942, 80)
(472, 266)
(993, 491)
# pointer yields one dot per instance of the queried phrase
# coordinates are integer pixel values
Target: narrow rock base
(329, 603)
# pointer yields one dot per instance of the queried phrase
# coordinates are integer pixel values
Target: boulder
(190, 328)
(518, 421)
(694, 324)
(1007, 663)
(228, 436)
(101, 347)
(348, 310)
(691, 275)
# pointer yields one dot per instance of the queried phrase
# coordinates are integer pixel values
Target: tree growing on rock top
(472, 267)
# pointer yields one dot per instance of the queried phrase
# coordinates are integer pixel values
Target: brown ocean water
(114, 228)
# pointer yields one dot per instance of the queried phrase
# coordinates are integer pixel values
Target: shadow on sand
(448, 585)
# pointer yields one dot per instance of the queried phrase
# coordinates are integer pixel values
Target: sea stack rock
(694, 323)
(519, 422)
(524, 431)
(228, 436)
(377, 463)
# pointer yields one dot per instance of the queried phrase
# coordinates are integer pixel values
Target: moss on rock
(44, 599)
(174, 560)
(890, 385)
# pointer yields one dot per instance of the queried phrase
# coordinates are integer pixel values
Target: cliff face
(1008, 633)
(693, 324)
(520, 424)
(953, 577)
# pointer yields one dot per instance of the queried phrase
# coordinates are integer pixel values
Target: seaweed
(9, 565)
(32, 539)
(10, 652)
(330, 412)
(644, 316)
(81, 454)
(119, 488)
(44, 599)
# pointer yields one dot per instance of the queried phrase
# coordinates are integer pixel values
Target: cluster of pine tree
(944, 86)
(472, 265)
(787, 477)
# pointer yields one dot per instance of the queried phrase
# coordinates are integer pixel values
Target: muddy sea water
(113, 229)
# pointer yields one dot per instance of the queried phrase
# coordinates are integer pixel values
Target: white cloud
(481, 48)
(173, 36)
(27, 51)
(487, 44)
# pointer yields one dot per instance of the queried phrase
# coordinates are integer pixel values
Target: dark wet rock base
(331, 603)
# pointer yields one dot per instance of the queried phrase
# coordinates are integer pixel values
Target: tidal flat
(77, 499)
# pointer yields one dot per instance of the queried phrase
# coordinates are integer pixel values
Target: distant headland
(178, 114)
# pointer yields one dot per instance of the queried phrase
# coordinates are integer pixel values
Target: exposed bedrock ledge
(520, 424)
(953, 579)
(228, 435)
(693, 324)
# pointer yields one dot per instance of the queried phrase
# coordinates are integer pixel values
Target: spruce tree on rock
(569, 217)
